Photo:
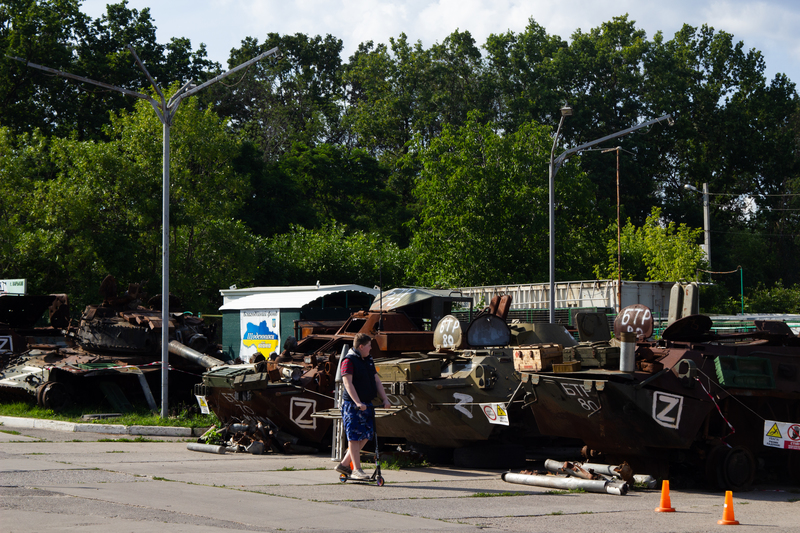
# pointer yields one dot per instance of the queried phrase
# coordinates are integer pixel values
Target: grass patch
(10, 431)
(495, 494)
(141, 416)
(288, 469)
(556, 513)
(125, 439)
(400, 463)
(570, 491)
(115, 451)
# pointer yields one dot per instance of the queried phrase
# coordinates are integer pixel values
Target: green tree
(331, 255)
(293, 98)
(42, 32)
(483, 201)
(775, 299)
(100, 210)
(657, 251)
(55, 34)
(518, 73)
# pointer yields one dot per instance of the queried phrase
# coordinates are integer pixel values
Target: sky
(769, 26)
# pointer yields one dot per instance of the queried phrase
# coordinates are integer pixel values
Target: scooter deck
(375, 478)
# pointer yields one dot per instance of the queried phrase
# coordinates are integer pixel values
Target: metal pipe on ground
(618, 488)
(207, 448)
(617, 471)
(568, 468)
(181, 350)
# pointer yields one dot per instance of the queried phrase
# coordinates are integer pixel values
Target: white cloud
(767, 25)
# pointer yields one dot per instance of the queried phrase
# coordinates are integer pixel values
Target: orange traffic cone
(727, 511)
(665, 504)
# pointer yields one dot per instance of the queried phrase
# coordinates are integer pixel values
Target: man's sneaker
(343, 469)
(359, 475)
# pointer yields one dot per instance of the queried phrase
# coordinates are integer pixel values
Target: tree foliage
(99, 211)
(656, 251)
(483, 203)
(435, 155)
(331, 255)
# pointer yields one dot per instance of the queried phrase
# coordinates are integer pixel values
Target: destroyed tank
(110, 355)
(691, 405)
(300, 381)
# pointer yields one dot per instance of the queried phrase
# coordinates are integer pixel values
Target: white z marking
(667, 409)
(463, 398)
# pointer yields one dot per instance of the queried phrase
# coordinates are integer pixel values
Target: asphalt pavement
(53, 478)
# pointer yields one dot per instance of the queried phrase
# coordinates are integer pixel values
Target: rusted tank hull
(616, 417)
(699, 403)
(287, 406)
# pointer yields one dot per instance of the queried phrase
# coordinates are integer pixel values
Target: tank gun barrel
(194, 356)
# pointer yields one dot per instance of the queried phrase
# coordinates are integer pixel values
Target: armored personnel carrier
(694, 401)
(465, 402)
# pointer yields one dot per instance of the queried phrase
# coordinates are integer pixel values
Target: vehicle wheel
(39, 390)
(739, 469)
(55, 396)
(342, 478)
(380, 481)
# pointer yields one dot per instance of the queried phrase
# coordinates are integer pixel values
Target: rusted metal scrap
(116, 346)
(256, 435)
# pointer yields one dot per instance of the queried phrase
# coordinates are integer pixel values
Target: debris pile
(256, 435)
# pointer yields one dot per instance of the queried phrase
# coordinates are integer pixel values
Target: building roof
(401, 297)
(283, 297)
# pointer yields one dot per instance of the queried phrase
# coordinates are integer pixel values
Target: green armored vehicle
(466, 398)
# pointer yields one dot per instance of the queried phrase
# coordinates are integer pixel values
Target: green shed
(260, 319)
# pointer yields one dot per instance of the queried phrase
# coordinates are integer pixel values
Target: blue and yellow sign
(260, 333)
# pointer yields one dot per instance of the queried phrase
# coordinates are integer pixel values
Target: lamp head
(566, 111)
(690, 187)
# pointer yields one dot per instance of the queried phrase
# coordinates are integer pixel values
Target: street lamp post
(706, 219)
(619, 237)
(566, 111)
(555, 165)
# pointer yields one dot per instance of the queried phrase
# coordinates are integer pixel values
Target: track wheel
(379, 481)
(53, 395)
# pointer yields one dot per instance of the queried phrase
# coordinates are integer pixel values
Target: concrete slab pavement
(96, 484)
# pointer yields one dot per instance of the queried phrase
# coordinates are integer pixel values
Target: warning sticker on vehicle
(785, 435)
(495, 413)
(201, 401)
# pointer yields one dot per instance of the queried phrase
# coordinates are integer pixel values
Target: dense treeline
(408, 164)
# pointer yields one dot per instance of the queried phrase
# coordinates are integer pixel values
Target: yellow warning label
(501, 411)
(774, 432)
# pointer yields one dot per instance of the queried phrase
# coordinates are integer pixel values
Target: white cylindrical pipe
(207, 448)
(618, 488)
(627, 351)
